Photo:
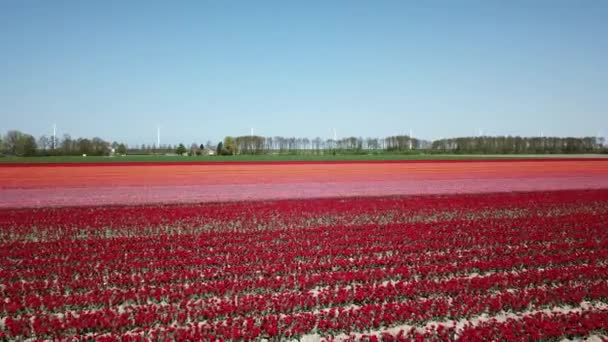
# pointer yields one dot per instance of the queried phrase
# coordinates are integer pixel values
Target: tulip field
(46, 185)
(471, 251)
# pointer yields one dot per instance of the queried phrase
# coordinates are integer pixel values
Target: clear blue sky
(206, 69)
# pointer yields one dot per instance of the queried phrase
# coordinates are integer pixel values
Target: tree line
(17, 143)
(405, 144)
(253, 144)
(519, 145)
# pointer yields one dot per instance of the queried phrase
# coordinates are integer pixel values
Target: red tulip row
(51, 224)
(53, 296)
(535, 326)
(332, 321)
(344, 248)
(532, 327)
(249, 279)
(289, 299)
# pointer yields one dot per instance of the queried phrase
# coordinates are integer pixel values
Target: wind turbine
(335, 139)
(411, 138)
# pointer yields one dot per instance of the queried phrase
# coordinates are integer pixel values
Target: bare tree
(11, 141)
(195, 150)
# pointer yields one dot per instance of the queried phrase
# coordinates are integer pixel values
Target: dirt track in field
(56, 185)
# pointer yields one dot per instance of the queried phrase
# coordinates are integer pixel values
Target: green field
(266, 157)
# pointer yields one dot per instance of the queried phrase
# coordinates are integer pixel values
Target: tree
(29, 145)
(67, 145)
(11, 141)
(230, 145)
(84, 146)
(194, 150)
(20, 144)
(181, 149)
(220, 148)
(250, 144)
(121, 149)
(100, 147)
(44, 142)
(202, 147)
